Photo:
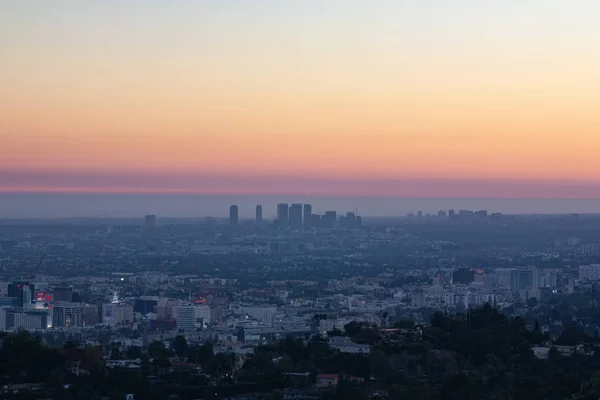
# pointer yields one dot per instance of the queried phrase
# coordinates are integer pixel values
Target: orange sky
(355, 91)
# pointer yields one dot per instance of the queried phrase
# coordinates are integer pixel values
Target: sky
(425, 98)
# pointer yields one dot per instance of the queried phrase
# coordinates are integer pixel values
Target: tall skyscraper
(233, 215)
(295, 216)
(328, 220)
(17, 291)
(282, 215)
(258, 214)
(307, 216)
(522, 278)
(150, 221)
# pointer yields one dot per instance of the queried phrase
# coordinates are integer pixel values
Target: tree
(404, 324)
(180, 346)
(134, 352)
(335, 332)
(158, 350)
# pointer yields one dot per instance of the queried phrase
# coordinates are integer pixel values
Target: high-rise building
(295, 216)
(89, 315)
(307, 215)
(18, 291)
(185, 317)
(203, 313)
(463, 276)
(282, 215)
(116, 313)
(63, 294)
(150, 221)
(28, 320)
(65, 315)
(589, 272)
(233, 215)
(329, 219)
(350, 220)
(258, 215)
(524, 277)
(145, 304)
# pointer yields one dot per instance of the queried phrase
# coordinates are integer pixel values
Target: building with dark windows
(295, 216)
(233, 215)
(145, 305)
(307, 216)
(282, 215)
(258, 215)
(23, 292)
(63, 294)
(464, 276)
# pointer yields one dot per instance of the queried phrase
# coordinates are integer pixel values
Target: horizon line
(167, 192)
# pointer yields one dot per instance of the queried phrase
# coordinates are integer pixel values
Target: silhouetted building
(296, 216)
(282, 215)
(307, 216)
(350, 220)
(315, 221)
(63, 294)
(463, 275)
(258, 214)
(23, 292)
(233, 215)
(328, 220)
(145, 305)
(150, 221)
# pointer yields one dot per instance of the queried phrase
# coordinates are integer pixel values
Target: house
(543, 353)
(345, 345)
(327, 380)
(75, 369)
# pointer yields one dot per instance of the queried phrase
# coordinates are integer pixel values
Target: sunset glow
(482, 98)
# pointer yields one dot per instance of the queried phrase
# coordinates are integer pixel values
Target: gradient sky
(341, 97)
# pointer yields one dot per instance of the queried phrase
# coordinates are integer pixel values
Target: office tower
(589, 272)
(145, 304)
(350, 220)
(258, 214)
(329, 219)
(65, 315)
(282, 215)
(358, 221)
(203, 313)
(63, 294)
(451, 213)
(295, 216)
(27, 320)
(307, 216)
(150, 221)
(116, 313)
(463, 276)
(15, 290)
(524, 277)
(185, 317)
(315, 221)
(233, 215)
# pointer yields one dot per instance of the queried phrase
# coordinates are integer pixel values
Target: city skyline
(382, 98)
